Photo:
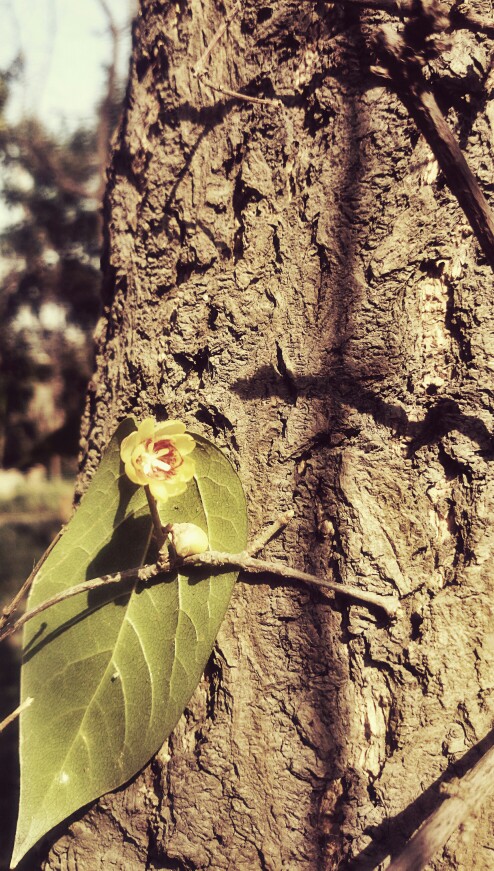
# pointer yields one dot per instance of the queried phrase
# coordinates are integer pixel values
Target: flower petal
(133, 474)
(164, 490)
(128, 445)
(146, 428)
(184, 444)
(169, 428)
(187, 469)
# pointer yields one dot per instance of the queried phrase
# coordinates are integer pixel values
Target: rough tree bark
(296, 282)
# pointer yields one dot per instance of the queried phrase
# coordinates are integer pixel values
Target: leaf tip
(20, 850)
(26, 837)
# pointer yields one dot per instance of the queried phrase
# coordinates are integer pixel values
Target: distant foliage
(50, 288)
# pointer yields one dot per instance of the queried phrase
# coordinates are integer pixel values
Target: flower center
(160, 459)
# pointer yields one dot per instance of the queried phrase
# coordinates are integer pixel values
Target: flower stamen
(152, 465)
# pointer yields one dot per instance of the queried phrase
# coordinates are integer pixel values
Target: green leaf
(111, 671)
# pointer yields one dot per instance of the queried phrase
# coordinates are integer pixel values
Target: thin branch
(201, 63)
(464, 797)
(270, 532)
(10, 609)
(200, 67)
(389, 604)
(245, 98)
(13, 716)
(407, 78)
(164, 565)
(143, 574)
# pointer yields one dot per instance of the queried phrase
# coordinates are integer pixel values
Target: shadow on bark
(442, 417)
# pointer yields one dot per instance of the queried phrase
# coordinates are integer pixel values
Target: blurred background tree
(52, 180)
(50, 294)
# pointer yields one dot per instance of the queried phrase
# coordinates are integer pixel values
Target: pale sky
(65, 46)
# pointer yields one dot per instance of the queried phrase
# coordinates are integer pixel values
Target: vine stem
(159, 531)
(161, 535)
(142, 574)
(216, 559)
(250, 564)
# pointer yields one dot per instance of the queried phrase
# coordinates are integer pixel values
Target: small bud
(188, 539)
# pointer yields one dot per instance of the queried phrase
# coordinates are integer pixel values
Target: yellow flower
(158, 455)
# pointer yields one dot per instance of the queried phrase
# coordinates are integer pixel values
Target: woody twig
(219, 560)
(199, 70)
(462, 798)
(405, 73)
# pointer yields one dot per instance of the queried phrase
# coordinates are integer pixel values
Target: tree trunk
(297, 283)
